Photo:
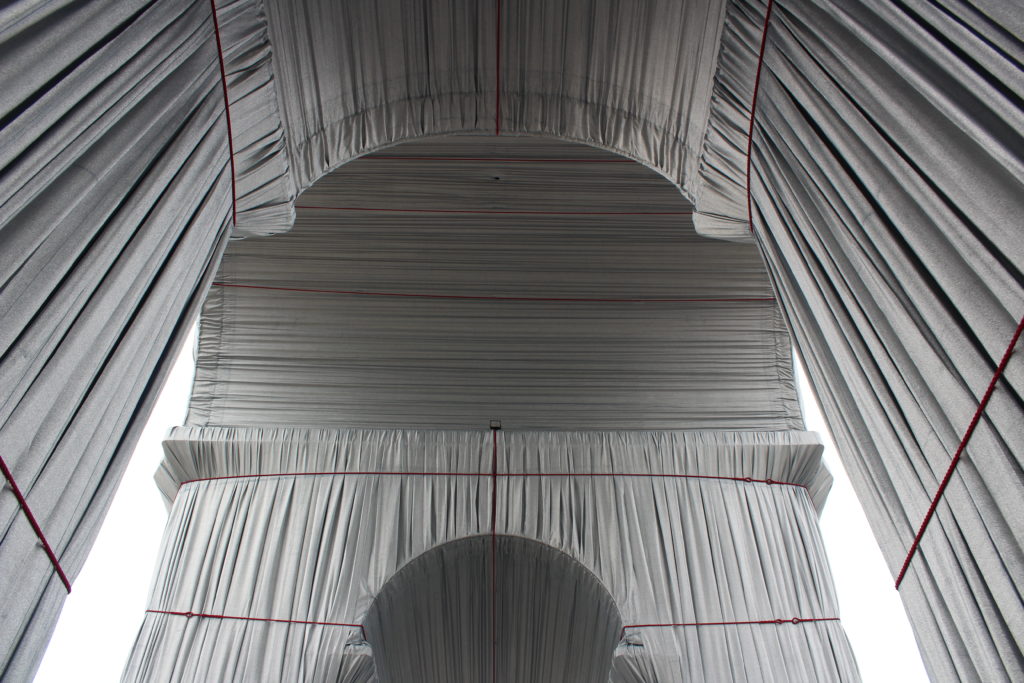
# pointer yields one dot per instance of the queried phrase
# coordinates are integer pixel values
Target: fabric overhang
(353, 507)
(114, 209)
(442, 71)
(885, 175)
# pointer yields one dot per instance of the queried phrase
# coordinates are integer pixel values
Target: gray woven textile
(889, 191)
(886, 197)
(449, 282)
(114, 197)
(322, 525)
(350, 78)
(886, 194)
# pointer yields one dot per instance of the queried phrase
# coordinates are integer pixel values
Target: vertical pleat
(314, 525)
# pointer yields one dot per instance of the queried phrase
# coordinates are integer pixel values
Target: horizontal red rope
(227, 112)
(753, 107)
(500, 212)
(494, 555)
(469, 297)
(34, 524)
(497, 70)
(503, 160)
(959, 452)
(654, 475)
(650, 475)
(189, 615)
(794, 620)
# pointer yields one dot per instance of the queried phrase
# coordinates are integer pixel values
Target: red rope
(500, 212)
(794, 620)
(356, 292)
(189, 615)
(322, 474)
(494, 555)
(34, 524)
(753, 107)
(959, 452)
(227, 112)
(495, 474)
(497, 67)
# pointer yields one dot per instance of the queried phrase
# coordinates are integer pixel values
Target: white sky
(104, 611)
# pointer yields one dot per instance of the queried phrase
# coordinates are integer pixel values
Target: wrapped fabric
(385, 74)
(114, 201)
(462, 279)
(319, 534)
(508, 608)
(886, 198)
(888, 192)
(263, 185)
(721, 191)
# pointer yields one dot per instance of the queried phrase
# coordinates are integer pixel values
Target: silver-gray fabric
(886, 197)
(263, 184)
(889, 191)
(721, 187)
(349, 78)
(579, 298)
(512, 608)
(304, 541)
(886, 194)
(114, 197)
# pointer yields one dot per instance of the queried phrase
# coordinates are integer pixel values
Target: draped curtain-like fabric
(720, 193)
(114, 201)
(310, 526)
(263, 184)
(886, 197)
(448, 282)
(350, 78)
(888, 194)
(484, 589)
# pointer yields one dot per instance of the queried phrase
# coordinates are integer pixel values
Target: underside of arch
(487, 606)
(446, 282)
(307, 106)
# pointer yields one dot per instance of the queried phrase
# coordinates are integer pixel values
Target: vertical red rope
(227, 112)
(494, 555)
(753, 107)
(959, 451)
(777, 622)
(497, 68)
(34, 524)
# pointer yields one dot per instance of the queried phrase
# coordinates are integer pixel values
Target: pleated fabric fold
(887, 192)
(886, 198)
(721, 189)
(114, 203)
(444, 283)
(319, 541)
(354, 78)
(264, 189)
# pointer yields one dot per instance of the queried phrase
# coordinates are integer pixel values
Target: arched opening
(889, 224)
(499, 608)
